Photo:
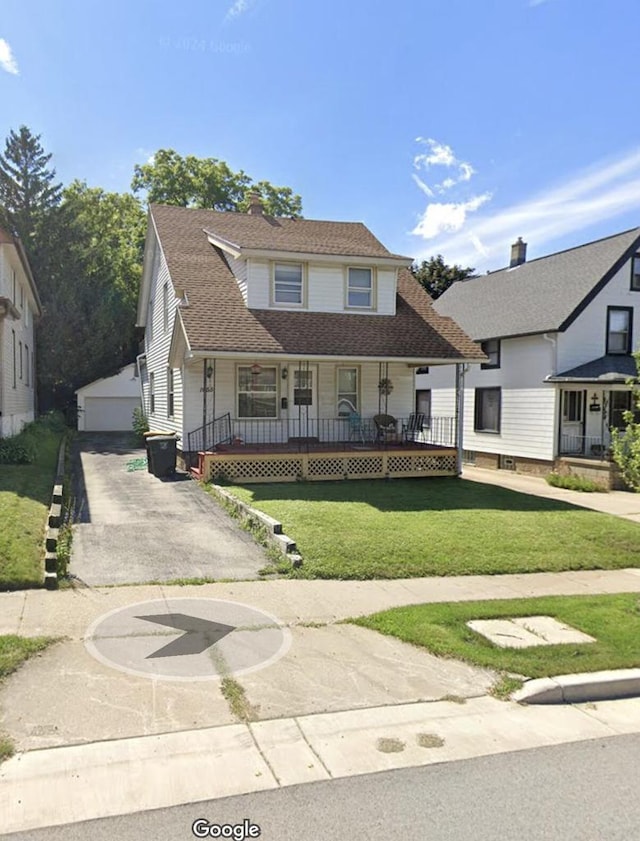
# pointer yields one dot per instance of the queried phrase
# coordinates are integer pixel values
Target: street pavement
(583, 790)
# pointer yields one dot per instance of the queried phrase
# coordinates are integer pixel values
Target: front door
(303, 401)
(573, 414)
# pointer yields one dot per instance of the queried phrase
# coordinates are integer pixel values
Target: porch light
(285, 373)
(256, 369)
(209, 372)
(594, 406)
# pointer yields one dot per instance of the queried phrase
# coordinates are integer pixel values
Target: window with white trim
(152, 393)
(619, 329)
(20, 358)
(26, 365)
(572, 406)
(347, 397)
(170, 393)
(288, 281)
(257, 391)
(635, 273)
(359, 288)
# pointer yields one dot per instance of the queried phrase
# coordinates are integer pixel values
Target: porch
(329, 449)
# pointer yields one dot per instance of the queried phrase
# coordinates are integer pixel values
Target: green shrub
(576, 483)
(140, 423)
(15, 451)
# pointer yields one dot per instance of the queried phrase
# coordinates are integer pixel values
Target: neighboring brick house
(267, 337)
(19, 308)
(559, 332)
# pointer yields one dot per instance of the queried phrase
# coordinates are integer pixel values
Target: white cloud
(601, 192)
(239, 7)
(439, 218)
(439, 154)
(7, 61)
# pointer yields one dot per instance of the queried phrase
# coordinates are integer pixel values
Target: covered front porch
(293, 420)
(587, 417)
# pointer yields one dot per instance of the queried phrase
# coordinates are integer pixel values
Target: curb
(54, 522)
(580, 688)
(273, 527)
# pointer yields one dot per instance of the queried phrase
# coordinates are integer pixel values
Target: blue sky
(447, 127)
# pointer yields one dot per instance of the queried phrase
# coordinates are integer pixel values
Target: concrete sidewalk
(619, 503)
(100, 740)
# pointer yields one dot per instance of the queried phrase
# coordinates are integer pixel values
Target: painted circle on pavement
(187, 639)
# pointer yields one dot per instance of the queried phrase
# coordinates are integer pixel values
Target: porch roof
(613, 368)
(218, 320)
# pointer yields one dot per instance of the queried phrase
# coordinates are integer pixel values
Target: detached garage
(107, 405)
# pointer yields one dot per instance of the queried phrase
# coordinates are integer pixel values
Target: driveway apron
(132, 527)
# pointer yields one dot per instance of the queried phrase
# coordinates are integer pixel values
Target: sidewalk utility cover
(187, 639)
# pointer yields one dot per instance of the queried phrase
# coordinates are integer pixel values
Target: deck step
(196, 472)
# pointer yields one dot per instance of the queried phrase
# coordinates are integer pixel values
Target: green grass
(418, 527)
(576, 483)
(25, 496)
(614, 621)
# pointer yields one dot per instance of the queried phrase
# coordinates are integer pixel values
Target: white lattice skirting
(328, 466)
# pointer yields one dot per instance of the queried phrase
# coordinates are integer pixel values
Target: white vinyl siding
(324, 286)
(16, 337)
(586, 338)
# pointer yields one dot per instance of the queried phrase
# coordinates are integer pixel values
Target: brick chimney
(518, 253)
(255, 204)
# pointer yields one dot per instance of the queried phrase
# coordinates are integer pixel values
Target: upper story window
(619, 323)
(288, 284)
(491, 348)
(360, 288)
(635, 273)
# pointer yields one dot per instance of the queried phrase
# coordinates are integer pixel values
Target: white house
(267, 338)
(107, 405)
(558, 331)
(19, 308)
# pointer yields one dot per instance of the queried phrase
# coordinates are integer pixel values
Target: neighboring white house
(558, 331)
(107, 405)
(19, 308)
(266, 332)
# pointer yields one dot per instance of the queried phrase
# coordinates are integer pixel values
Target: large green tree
(436, 276)
(27, 186)
(169, 178)
(91, 265)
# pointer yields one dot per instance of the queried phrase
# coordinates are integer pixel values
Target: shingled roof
(611, 368)
(539, 296)
(218, 320)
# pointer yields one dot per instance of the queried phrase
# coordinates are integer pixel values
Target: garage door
(109, 414)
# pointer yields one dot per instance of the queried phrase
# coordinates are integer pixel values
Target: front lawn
(614, 621)
(441, 526)
(25, 496)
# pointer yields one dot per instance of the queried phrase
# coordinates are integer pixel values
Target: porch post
(459, 419)
(204, 398)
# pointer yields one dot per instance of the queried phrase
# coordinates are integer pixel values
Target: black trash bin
(162, 454)
(146, 436)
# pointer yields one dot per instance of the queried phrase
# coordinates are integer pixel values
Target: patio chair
(357, 430)
(386, 428)
(413, 428)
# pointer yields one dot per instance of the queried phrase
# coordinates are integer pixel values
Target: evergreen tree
(27, 186)
(436, 276)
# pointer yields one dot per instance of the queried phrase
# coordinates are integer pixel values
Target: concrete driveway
(132, 527)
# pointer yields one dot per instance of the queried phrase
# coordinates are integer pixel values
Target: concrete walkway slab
(342, 667)
(623, 504)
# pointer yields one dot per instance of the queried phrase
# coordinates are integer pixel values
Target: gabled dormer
(307, 265)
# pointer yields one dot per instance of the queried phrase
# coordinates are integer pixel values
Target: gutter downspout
(139, 367)
(459, 421)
